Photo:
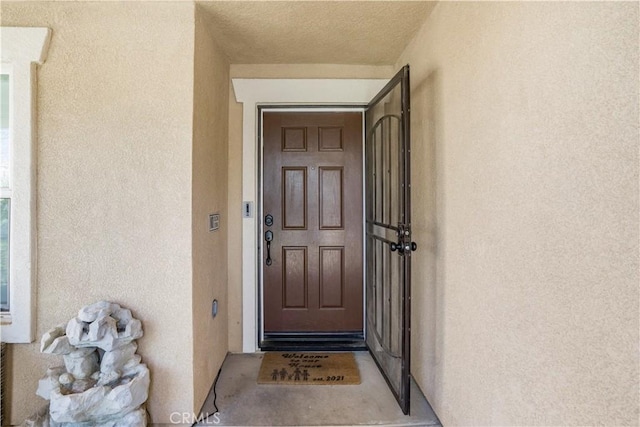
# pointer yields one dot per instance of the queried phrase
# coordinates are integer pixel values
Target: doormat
(308, 368)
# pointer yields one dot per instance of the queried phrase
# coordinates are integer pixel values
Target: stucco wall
(210, 146)
(258, 71)
(525, 184)
(115, 100)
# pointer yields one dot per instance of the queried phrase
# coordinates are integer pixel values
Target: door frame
(295, 108)
(253, 93)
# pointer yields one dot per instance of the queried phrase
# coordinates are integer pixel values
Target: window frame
(22, 49)
(6, 192)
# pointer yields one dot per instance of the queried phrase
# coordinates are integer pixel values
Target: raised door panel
(294, 201)
(331, 191)
(294, 277)
(294, 139)
(330, 139)
(332, 277)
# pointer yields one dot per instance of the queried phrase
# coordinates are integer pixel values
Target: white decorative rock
(131, 364)
(100, 403)
(91, 312)
(133, 330)
(137, 418)
(75, 331)
(82, 363)
(66, 379)
(82, 385)
(49, 382)
(103, 383)
(54, 341)
(103, 332)
(123, 316)
(109, 378)
(116, 359)
(59, 345)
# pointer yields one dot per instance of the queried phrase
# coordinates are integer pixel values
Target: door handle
(403, 247)
(268, 236)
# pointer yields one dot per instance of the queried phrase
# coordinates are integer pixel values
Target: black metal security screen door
(388, 233)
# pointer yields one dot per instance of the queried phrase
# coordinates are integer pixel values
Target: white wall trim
(22, 49)
(251, 93)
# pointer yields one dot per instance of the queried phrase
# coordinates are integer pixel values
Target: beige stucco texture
(315, 32)
(115, 102)
(525, 191)
(525, 188)
(210, 171)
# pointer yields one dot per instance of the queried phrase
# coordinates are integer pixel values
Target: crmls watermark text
(204, 419)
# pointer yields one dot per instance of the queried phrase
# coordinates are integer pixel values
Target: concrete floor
(243, 402)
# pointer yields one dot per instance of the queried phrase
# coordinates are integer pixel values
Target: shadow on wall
(428, 224)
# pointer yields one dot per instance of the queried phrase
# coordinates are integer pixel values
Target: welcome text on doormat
(308, 368)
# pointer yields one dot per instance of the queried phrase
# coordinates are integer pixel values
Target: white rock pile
(102, 382)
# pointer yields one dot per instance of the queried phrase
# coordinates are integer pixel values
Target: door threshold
(313, 342)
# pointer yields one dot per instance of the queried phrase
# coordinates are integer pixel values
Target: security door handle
(268, 236)
(403, 247)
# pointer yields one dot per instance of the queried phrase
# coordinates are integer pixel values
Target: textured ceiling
(298, 32)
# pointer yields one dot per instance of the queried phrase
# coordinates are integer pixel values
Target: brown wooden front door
(312, 186)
